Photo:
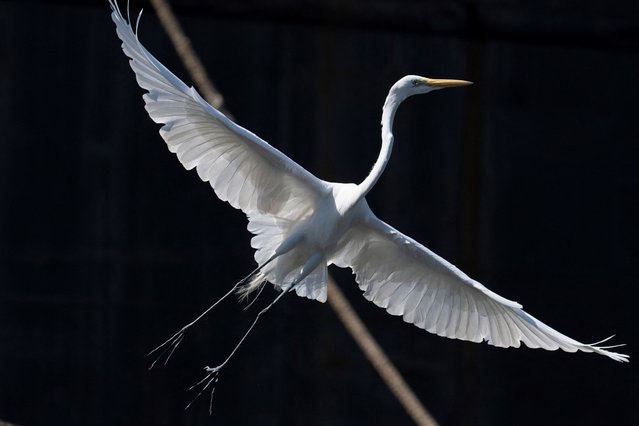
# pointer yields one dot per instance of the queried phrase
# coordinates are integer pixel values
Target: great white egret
(303, 224)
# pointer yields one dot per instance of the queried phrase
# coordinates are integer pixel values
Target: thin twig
(374, 353)
(188, 56)
(377, 357)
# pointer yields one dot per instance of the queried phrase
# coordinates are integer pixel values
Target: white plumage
(302, 224)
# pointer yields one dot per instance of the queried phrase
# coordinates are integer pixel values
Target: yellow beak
(441, 83)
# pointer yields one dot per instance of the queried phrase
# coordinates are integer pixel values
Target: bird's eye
(415, 83)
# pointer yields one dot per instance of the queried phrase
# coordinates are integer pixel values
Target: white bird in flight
(303, 224)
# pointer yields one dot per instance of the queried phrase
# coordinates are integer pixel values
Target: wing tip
(604, 350)
(616, 356)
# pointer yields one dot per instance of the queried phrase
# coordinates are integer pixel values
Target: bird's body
(302, 224)
(309, 240)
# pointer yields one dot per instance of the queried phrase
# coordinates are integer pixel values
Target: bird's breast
(332, 217)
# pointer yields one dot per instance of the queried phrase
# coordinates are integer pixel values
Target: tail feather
(274, 240)
(255, 283)
(314, 286)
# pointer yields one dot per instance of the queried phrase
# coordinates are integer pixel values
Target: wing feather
(242, 168)
(404, 277)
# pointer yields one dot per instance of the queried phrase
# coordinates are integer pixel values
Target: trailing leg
(213, 372)
(171, 344)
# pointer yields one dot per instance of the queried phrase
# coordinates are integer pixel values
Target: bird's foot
(210, 380)
(169, 346)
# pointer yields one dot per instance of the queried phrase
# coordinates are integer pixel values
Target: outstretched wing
(407, 279)
(242, 168)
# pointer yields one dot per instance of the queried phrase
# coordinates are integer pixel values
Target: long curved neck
(388, 115)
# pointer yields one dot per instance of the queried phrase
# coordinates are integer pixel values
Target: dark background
(527, 180)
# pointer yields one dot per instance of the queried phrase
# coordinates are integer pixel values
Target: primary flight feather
(303, 224)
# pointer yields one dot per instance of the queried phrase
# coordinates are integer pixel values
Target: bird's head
(414, 85)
